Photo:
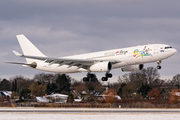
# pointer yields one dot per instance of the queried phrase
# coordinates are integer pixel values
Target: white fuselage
(124, 57)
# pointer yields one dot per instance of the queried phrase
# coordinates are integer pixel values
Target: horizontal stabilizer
(16, 53)
(17, 63)
(33, 65)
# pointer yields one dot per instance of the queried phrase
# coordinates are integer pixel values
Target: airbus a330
(128, 59)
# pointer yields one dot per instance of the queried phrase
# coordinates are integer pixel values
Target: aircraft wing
(81, 63)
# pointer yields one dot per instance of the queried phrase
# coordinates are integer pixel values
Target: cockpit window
(169, 47)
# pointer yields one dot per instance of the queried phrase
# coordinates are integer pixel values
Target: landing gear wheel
(104, 78)
(109, 75)
(159, 67)
(85, 79)
(90, 75)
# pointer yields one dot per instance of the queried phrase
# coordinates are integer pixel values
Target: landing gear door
(155, 49)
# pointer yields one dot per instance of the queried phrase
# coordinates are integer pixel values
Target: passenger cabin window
(168, 47)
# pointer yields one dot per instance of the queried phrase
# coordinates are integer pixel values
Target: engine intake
(101, 67)
(133, 68)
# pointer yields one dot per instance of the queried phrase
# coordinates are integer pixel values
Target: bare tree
(37, 90)
(135, 80)
(151, 75)
(145, 76)
(45, 78)
(19, 82)
(124, 78)
(75, 84)
(176, 81)
(157, 83)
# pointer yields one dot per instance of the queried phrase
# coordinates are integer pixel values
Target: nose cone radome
(174, 51)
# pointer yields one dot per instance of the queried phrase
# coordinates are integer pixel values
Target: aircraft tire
(109, 75)
(90, 75)
(159, 67)
(104, 79)
(85, 79)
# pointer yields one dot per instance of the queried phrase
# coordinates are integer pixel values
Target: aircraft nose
(174, 51)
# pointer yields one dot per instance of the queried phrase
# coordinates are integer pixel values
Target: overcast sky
(67, 27)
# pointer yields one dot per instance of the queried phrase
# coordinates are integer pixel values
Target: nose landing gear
(159, 66)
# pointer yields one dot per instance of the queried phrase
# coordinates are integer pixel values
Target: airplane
(129, 59)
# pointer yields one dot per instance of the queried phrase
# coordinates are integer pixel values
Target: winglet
(16, 53)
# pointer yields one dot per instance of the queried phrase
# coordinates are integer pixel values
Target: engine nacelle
(101, 67)
(133, 68)
(33, 65)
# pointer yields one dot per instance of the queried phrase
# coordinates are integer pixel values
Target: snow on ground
(88, 116)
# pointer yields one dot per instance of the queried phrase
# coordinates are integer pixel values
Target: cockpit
(168, 47)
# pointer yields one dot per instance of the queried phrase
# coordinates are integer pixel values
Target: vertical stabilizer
(28, 48)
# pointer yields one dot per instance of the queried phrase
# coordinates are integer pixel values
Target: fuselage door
(155, 49)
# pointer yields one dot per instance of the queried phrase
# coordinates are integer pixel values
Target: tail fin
(28, 48)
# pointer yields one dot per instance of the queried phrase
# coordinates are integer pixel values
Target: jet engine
(33, 65)
(133, 68)
(101, 67)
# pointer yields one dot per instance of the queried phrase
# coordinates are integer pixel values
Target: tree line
(146, 85)
(40, 85)
(142, 85)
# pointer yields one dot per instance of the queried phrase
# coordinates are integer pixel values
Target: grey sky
(67, 27)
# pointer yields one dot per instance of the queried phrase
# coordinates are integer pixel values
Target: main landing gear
(159, 66)
(89, 76)
(107, 75)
